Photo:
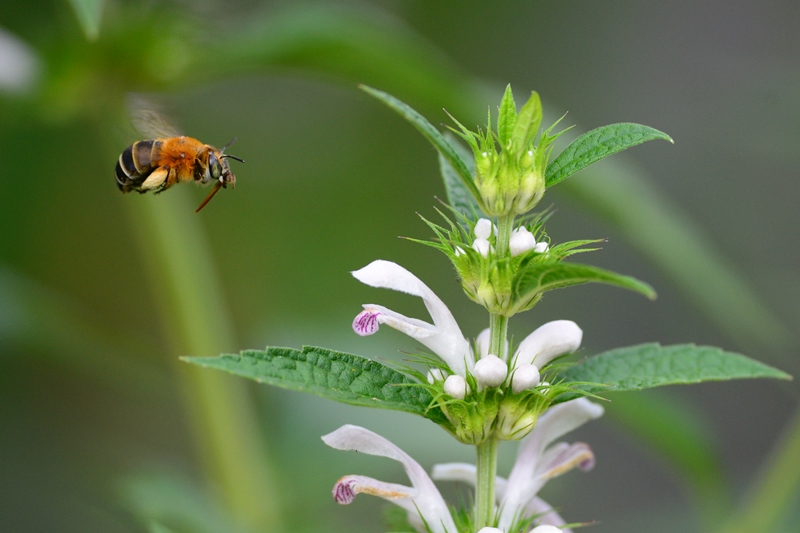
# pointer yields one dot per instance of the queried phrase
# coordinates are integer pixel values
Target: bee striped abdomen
(135, 165)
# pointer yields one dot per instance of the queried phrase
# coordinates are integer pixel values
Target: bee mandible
(159, 163)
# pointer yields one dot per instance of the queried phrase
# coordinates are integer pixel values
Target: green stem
(498, 333)
(484, 490)
(487, 450)
(194, 313)
(504, 226)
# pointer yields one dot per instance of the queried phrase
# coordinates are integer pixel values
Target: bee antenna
(230, 143)
(239, 159)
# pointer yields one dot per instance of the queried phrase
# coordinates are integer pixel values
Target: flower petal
(523, 482)
(548, 342)
(445, 338)
(346, 489)
(427, 502)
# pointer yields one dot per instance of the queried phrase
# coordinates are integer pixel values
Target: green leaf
(652, 365)
(528, 122)
(541, 277)
(89, 13)
(429, 132)
(334, 375)
(458, 196)
(597, 144)
(507, 118)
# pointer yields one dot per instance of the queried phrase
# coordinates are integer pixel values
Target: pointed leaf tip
(598, 144)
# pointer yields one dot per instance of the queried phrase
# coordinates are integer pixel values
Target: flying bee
(159, 163)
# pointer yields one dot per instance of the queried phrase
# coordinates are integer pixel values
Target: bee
(159, 163)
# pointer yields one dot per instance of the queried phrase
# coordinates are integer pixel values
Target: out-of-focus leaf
(36, 316)
(170, 501)
(627, 201)
(598, 144)
(651, 365)
(678, 432)
(358, 44)
(536, 278)
(775, 491)
(89, 13)
(334, 375)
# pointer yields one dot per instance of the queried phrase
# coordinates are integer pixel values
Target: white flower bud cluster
(523, 240)
(483, 230)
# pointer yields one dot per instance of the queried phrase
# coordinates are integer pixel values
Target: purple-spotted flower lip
(537, 462)
(443, 337)
(422, 501)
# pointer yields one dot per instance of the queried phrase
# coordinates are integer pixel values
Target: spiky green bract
(335, 375)
(510, 164)
(598, 144)
(509, 285)
(496, 412)
(651, 365)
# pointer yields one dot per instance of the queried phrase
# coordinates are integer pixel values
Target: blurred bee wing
(149, 118)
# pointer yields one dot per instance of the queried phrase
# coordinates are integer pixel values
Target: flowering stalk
(485, 487)
(480, 392)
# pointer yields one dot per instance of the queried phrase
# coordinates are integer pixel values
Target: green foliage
(535, 278)
(334, 375)
(598, 144)
(459, 196)
(652, 365)
(89, 13)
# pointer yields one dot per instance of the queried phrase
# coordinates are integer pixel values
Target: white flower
(525, 377)
(422, 500)
(490, 371)
(483, 228)
(546, 529)
(456, 386)
(521, 241)
(19, 64)
(443, 337)
(482, 246)
(541, 247)
(547, 342)
(537, 462)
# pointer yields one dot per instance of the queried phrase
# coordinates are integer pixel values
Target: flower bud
(456, 386)
(545, 529)
(541, 247)
(482, 246)
(490, 371)
(483, 228)
(521, 241)
(525, 377)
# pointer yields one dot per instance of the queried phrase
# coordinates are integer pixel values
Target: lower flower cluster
(539, 459)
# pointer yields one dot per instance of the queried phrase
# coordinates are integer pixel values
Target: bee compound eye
(214, 166)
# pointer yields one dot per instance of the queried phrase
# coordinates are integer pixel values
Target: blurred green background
(104, 430)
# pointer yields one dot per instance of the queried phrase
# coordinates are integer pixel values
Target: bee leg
(155, 181)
